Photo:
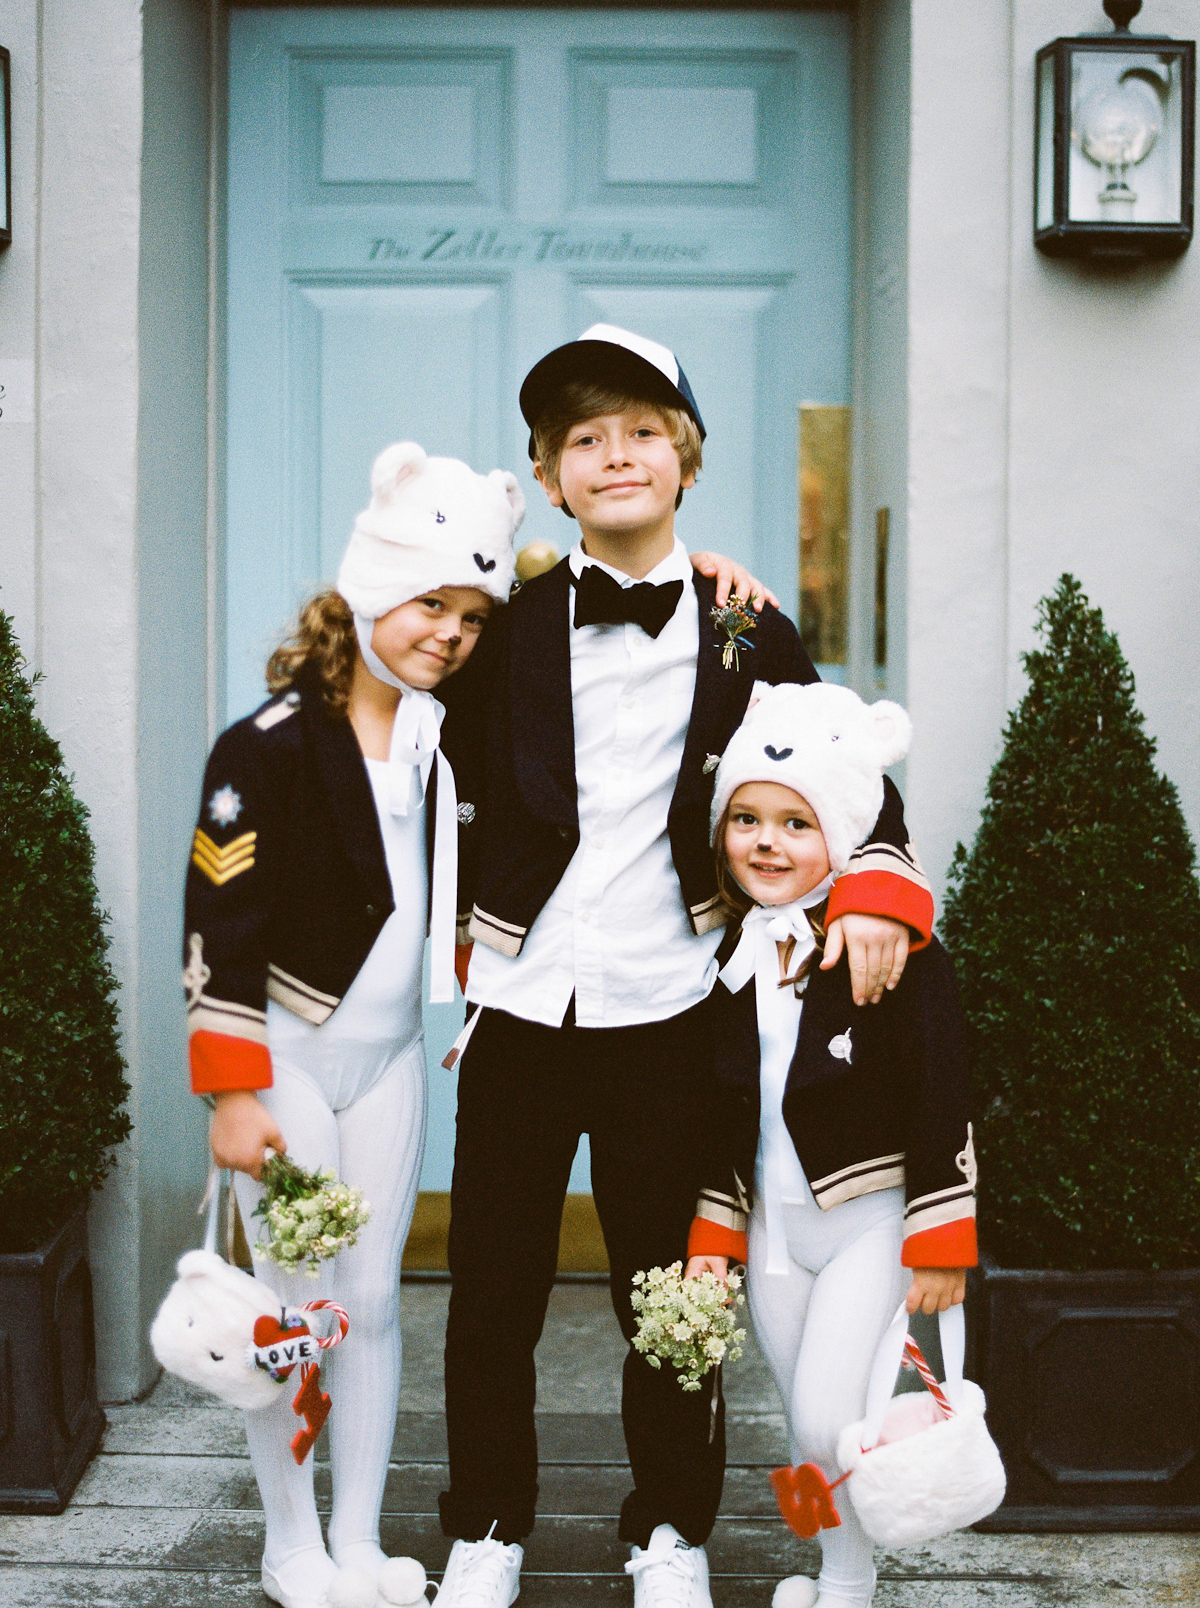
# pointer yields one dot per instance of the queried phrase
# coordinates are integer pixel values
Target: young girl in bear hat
(326, 845)
(851, 1124)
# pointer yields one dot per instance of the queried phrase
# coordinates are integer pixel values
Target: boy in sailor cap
(595, 916)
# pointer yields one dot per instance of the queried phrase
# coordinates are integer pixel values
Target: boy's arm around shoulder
(939, 1167)
(884, 877)
(227, 910)
(779, 655)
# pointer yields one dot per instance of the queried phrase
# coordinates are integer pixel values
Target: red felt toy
(805, 1499)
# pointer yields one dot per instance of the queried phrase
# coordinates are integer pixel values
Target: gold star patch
(222, 865)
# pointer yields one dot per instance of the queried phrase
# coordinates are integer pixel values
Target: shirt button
(599, 842)
(628, 703)
(586, 916)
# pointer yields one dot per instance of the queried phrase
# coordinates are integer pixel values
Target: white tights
(374, 1143)
(819, 1326)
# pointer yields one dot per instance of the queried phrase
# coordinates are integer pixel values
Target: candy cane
(912, 1353)
(343, 1322)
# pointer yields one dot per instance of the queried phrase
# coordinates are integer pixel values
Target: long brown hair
(322, 642)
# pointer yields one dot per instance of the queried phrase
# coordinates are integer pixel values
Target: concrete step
(199, 1540)
(101, 1588)
(191, 1429)
(140, 1481)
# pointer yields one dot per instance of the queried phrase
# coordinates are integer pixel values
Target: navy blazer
(511, 725)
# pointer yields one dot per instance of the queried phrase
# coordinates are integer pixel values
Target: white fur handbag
(228, 1333)
(920, 1466)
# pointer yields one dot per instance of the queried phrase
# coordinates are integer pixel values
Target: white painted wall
(1052, 415)
(102, 532)
(173, 594)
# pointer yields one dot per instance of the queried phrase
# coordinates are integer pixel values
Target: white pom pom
(402, 1581)
(351, 1588)
(797, 1591)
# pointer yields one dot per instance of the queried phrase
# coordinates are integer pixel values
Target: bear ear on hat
(761, 689)
(893, 731)
(395, 465)
(511, 487)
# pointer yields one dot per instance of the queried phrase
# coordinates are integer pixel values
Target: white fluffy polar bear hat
(431, 522)
(827, 745)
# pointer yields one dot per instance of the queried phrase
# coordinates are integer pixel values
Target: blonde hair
(587, 399)
(736, 903)
(322, 642)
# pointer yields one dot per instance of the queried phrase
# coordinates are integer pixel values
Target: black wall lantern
(1114, 144)
(5, 150)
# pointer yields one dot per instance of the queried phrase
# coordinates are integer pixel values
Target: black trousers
(525, 1095)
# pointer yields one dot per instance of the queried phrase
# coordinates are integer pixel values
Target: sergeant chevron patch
(222, 865)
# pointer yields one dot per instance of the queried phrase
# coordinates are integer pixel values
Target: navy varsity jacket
(287, 886)
(877, 1096)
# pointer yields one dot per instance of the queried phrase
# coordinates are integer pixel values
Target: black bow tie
(599, 600)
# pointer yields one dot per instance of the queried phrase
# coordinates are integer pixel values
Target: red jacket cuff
(221, 1062)
(711, 1239)
(883, 893)
(948, 1245)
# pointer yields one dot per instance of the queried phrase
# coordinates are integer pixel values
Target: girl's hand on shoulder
(733, 577)
(876, 952)
(936, 1289)
(242, 1129)
(718, 1266)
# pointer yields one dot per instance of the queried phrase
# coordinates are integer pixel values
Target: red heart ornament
(805, 1499)
(269, 1333)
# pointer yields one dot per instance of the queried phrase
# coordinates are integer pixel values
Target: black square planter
(50, 1420)
(1093, 1396)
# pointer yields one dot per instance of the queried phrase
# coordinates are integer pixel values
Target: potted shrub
(61, 1095)
(1074, 923)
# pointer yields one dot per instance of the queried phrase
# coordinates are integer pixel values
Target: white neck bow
(777, 923)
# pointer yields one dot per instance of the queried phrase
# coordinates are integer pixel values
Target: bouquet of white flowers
(690, 1324)
(309, 1216)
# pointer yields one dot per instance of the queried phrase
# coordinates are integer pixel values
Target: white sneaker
(481, 1574)
(669, 1573)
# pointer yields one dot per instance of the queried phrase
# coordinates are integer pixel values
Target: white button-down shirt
(615, 932)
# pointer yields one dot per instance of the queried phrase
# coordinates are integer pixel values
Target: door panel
(422, 203)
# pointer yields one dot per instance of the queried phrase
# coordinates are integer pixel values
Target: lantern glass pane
(1044, 214)
(1126, 137)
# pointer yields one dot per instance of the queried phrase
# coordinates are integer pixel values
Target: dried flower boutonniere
(735, 619)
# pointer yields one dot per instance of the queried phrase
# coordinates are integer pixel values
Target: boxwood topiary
(1074, 923)
(62, 1086)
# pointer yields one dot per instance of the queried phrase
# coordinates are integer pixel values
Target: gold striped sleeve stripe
(221, 865)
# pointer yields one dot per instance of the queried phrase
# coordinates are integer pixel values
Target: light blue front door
(422, 203)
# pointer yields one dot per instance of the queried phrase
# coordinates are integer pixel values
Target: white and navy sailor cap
(608, 354)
